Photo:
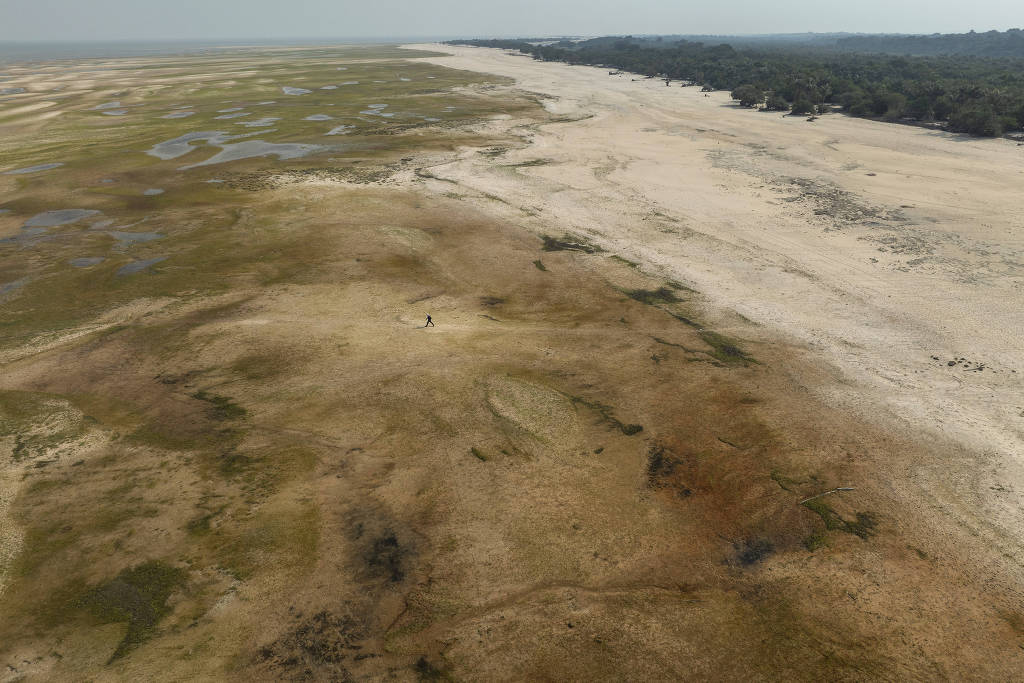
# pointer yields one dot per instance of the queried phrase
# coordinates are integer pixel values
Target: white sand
(916, 248)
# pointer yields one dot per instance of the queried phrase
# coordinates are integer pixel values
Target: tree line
(976, 95)
(988, 44)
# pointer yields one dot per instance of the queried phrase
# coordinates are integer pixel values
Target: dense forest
(989, 44)
(977, 95)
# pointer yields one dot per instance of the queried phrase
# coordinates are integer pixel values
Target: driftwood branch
(840, 488)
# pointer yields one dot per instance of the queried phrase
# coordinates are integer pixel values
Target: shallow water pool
(139, 266)
(33, 169)
(49, 219)
(86, 262)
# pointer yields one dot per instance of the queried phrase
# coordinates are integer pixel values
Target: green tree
(748, 95)
(976, 119)
(921, 108)
(895, 105)
(776, 102)
(943, 107)
(803, 106)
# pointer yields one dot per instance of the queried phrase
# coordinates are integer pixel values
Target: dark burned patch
(317, 649)
(384, 552)
(426, 671)
(607, 414)
(183, 378)
(530, 163)
(385, 557)
(664, 471)
(863, 525)
(663, 342)
(660, 464)
(138, 596)
(221, 407)
(749, 552)
(569, 243)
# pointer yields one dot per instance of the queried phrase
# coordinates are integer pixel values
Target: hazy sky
(243, 19)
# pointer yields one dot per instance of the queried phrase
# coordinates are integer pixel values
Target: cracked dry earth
(659, 338)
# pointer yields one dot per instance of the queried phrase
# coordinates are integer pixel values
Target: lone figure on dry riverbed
(430, 323)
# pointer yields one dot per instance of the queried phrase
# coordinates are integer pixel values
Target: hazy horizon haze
(144, 20)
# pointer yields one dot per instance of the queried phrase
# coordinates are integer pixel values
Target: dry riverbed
(665, 326)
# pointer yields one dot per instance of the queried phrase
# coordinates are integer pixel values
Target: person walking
(430, 323)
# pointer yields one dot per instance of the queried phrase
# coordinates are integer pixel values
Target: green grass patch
(283, 535)
(167, 437)
(221, 407)
(624, 261)
(653, 297)
(38, 422)
(200, 526)
(725, 349)
(816, 541)
(46, 486)
(138, 596)
(920, 553)
(784, 482)
(540, 265)
(686, 321)
(261, 366)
